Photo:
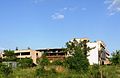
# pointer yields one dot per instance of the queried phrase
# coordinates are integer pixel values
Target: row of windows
(25, 53)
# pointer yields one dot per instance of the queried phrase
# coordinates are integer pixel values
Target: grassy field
(61, 72)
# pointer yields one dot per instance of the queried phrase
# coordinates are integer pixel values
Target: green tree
(78, 59)
(9, 55)
(115, 59)
(40, 72)
(43, 61)
(57, 62)
(5, 70)
(25, 62)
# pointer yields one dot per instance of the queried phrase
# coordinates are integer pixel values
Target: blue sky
(51, 23)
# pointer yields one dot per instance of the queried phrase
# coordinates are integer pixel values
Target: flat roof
(50, 49)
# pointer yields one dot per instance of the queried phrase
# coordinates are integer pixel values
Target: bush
(41, 72)
(10, 55)
(25, 62)
(43, 61)
(95, 71)
(5, 70)
(57, 62)
(116, 58)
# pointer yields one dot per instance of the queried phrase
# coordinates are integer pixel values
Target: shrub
(43, 61)
(95, 71)
(41, 72)
(5, 70)
(25, 62)
(10, 55)
(57, 62)
(116, 58)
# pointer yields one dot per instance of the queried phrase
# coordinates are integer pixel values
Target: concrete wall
(33, 54)
(98, 54)
(93, 54)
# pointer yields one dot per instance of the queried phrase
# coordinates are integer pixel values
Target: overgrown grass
(94, 72)
(23, 73)
(111, 71)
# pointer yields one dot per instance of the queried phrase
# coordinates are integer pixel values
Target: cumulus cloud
(60, 14)
(113, 6)
(57, 16)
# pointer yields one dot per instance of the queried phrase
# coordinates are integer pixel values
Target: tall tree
(71, 45)
(78, 55)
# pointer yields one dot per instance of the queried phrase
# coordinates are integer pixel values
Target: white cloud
(60, 14)
(63, 9)
(57, 16)
(113, 6)
(68, 9)
(118, 8)
(83, 9)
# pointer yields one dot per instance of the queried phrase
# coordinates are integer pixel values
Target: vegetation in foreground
(61, 72)
(76, 66)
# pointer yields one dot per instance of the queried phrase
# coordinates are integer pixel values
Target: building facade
(28, 54)
(98, 53)
(53, 54)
